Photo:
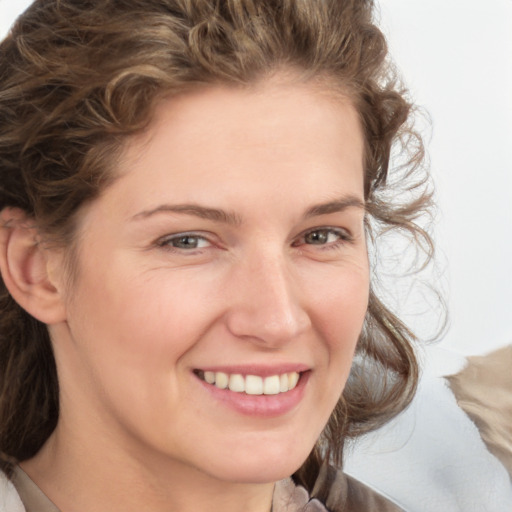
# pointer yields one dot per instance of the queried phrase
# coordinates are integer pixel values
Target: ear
(25, 267)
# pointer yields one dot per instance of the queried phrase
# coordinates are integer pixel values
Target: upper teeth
(253, 384)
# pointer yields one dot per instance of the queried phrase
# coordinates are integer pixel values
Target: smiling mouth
(251, 384)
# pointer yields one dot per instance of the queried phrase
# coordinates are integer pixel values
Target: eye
(324, 236)
(185, 242)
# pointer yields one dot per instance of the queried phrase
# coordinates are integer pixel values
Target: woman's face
(230, 252)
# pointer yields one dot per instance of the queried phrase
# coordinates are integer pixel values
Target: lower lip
(263, 406)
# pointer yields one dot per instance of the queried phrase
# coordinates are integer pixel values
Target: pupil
(186, 242)
(317, 237)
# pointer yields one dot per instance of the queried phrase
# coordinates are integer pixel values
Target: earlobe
(24, 266)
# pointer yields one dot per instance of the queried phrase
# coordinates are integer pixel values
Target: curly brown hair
(79, 77)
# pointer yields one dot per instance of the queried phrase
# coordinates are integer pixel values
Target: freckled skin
(268, 285)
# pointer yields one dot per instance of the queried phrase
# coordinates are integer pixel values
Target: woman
(189, 189)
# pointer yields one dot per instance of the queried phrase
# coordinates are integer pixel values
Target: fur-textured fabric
(484, 391)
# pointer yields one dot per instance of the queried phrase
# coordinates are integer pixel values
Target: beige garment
(341, 492)
(32, 497)
(484, 391)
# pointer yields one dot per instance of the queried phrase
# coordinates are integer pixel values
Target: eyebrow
(227, 217)
(214, 214)
(335, 206)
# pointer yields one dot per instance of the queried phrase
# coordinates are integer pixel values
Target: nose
(267, 306)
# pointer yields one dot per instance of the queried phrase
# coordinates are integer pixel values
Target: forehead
(276, 112)
(275, 137)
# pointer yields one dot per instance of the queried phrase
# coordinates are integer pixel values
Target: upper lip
(257, 369)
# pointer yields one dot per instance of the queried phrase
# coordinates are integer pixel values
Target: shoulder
(9, 498)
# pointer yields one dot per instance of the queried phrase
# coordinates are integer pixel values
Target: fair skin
(232, 243)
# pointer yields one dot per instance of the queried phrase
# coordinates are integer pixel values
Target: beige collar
(32, 497)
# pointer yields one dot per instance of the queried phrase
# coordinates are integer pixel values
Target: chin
(259, 468)
(258, 475)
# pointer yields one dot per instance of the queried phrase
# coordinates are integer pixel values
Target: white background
(456, 58)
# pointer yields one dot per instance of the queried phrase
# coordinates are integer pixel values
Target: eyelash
(342, 235)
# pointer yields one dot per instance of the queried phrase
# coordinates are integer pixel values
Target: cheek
(143, 326)
(128, 340)
(343, 303)
(116, 326)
